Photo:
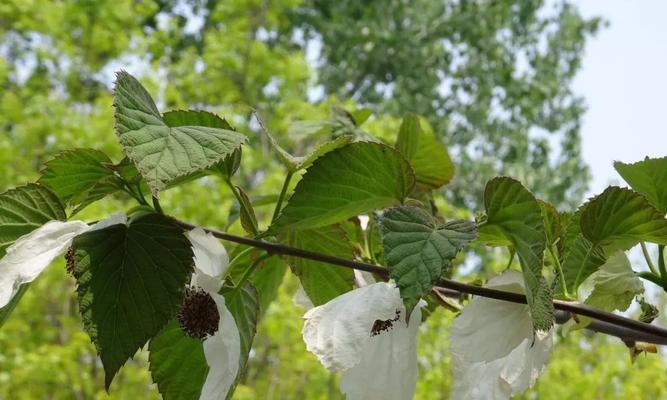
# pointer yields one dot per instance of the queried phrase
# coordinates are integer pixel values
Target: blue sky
(624, 82)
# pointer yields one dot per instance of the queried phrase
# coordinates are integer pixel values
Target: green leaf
(620, 218)
(553, 227)
(80, 176)
(25, 209)
(7, 310)
(514, 217)
(345, 182)
(131, 281)
(418, 250)
(615, 284)
(322, 282)
(243, 303)
(361, 115)
(176, 118)
(267, 279)
(429, 157)
(322, 149)
(581, 256)
(648, 177)
(247, 213)
(177, 364)
(163, 149)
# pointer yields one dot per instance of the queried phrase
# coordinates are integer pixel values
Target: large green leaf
(25, 209)
(243, 303)
(648, 177)
(322, 282)
(418, 250)
(177, 363)
(131, 281)
(514, 217)
(345, 182)
(80, 176)
(428, 156)
(162, 148)
(620, 218)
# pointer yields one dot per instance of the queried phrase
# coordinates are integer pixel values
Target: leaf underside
(162, 148)
(417, 251)
(514, 216)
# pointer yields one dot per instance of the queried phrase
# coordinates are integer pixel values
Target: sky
(624, 83)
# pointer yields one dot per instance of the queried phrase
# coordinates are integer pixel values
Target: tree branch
(631, 329)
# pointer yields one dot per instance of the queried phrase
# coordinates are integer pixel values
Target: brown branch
(643, 330)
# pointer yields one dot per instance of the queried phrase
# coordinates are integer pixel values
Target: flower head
(204, 315)
(364, 334)
(495, 353)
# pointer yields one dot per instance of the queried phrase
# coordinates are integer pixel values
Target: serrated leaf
(80, 176)
(648, 177)
(429, 157)
(130, 282)
(620, 218)
(163, 152)
(25, 209)
(321, 282)
(177, 364)
(345, 182)
(418, 251)
(514, 216)
(243, 303)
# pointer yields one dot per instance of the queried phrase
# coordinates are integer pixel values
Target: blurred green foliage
(56, 65)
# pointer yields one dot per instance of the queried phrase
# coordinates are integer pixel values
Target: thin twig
(571, 306)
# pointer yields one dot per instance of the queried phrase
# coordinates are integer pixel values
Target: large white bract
(364, 334)
(223, 349)
(32, 253)
(495, 353)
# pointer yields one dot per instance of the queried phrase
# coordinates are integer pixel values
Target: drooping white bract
(364, 334)
(222, 350)
(30, 254)
(494, 352)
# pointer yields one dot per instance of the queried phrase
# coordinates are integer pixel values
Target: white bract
(364, 334)
(30, 254)
(223, 349)
(495, 354)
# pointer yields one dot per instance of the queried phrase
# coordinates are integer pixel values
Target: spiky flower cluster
(198, 316)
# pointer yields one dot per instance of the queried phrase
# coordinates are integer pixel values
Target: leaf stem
(157, 206)
(559, 271)
(650, 276)
(658, 334)
(661, 261)
(647, 256)
(231, 186)
(281, 197)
